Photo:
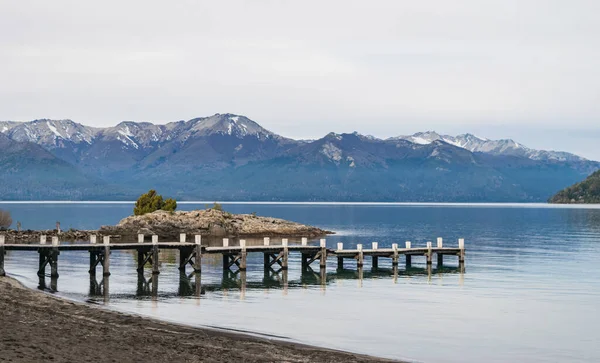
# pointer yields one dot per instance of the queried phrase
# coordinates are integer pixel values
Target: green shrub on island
(151, 202)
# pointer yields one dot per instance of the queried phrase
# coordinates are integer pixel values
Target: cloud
(303, 68)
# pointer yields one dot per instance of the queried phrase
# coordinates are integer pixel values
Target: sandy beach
(39, 327)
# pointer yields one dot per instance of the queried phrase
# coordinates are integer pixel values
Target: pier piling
(243, 255)
(340, 259)
(198, 253)
(155, 270)
(106, 257)
(429, 254)
(359, 257)
(323, 261)
(285, 254)
(2, 241)
(375, 258)
(408, 257)
(395, 254)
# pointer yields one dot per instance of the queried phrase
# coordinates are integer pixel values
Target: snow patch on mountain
(332, 152)
(475, 143)
(53, 129)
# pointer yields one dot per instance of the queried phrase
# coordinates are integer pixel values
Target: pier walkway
(234, 257)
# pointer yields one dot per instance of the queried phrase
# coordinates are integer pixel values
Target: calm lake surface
(530, 291)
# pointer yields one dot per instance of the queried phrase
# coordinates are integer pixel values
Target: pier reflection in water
(190, 284)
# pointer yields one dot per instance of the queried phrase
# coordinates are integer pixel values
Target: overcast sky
(528, 70)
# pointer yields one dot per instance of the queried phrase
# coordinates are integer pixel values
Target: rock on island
(209, 222)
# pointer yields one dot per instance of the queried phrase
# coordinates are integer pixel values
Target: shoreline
(38, 326)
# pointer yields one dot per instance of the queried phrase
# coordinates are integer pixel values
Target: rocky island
(209, 222)
(168, 225)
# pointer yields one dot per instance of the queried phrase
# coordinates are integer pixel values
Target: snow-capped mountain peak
(476, 143)
(49, 132)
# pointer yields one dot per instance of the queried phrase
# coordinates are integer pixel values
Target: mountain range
(230, 157)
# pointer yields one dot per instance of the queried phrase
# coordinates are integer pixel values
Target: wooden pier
(234, 257)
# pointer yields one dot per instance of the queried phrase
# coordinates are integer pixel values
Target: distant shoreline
(416, 204)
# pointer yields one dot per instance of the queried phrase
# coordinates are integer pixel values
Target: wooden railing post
(198, 259)
(155, 270)
(243, 255)
(54, 258)
(323, 261)
(284, 257)
(375, 259)
(429, 253)
(2, 241)
(340, 259)
(106, 263)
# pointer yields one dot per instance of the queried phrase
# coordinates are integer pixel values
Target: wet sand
(39, 327)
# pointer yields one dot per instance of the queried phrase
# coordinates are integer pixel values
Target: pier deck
(233, 256)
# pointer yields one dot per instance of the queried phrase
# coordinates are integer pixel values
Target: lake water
(530, 291)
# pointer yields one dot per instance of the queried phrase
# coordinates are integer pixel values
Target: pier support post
(408, 257)
(323, 261)
(429, 254)
(141, 259)
(54, 258)
(2, 241)
(305, 258)
(198, 257)
(106, 257)
(155, 270)
(340, 259)
(359, 257)
(375, 259)
(184, 256)
(93, 263)
(395, 254)
(243, 255)
(225, 261)
(461, 255)
(42, 262)
(284, 257)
